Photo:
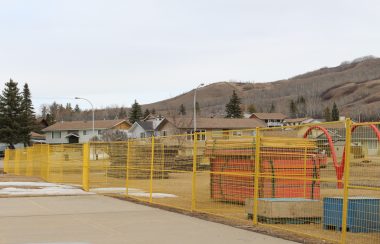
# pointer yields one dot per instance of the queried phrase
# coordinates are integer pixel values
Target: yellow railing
(316, 180)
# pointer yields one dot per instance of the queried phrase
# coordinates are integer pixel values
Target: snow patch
(132, 191)
(42, 188)
(154, 195)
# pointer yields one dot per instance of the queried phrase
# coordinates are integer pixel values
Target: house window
(142, 135)
(200, 137)
(164, 133)
(237, 133)
(85, 132)
(56, 134)
(99, 132)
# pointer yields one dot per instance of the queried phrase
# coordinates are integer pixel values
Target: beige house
(81, 131)
(209, 127)
(271, 119)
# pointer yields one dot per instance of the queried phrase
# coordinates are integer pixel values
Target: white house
(81, 131)
(146, 128)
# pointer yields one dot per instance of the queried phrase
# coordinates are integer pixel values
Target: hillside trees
(146, 113)
(293, 109)
(251, 109)
(327, 114)
(182, 110)
(233, 109)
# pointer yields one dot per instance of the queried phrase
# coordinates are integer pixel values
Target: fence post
(151, 172)
(304, 172)
(194, 176)
(48, 163)
(29, 161)
(257, 175)
(6, 160)
(17, 161)
(85, 170)
(127, 166)
(346, 178)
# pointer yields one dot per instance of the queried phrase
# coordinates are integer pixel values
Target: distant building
(270, 119)
(301, 121)
(36, 138)
(213, 127)
(81, 131)
(146, 128)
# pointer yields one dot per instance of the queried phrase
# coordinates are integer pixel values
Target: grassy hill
(354, 86)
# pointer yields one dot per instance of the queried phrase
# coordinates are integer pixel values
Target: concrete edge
(266, 230)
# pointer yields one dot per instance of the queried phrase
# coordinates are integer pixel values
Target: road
(94, 219)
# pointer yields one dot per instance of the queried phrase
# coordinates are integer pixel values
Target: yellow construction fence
(318, 180)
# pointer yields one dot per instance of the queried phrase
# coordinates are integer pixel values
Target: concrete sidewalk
(99, 219)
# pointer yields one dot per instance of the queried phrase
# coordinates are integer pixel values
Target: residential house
(213, 127)
(146, 128)
(36, 138)
(270, 119)
(301, 121)
(81, 131)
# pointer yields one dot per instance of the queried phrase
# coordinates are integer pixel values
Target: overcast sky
(113, 52)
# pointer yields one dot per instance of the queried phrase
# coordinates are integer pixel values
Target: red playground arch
(339, 168)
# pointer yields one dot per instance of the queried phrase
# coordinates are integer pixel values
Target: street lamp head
(202, 84)
(77, 97)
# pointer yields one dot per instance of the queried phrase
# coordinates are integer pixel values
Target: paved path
(99, 219)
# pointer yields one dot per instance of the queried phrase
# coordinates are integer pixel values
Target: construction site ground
(86, 219)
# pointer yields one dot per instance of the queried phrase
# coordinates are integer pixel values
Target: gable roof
(146, 125)
(84, 125)
(216, 123)
(264, 116)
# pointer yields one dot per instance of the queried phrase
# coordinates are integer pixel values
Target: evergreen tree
(327, 114)
(27, 116)
(68, 107)
(135, 114)
(77, 109)
(182, 110)
(335, 113)
(233, 109)
(146, 113)
(251, 109)
(293, 109)
(10, 114)
(153, 111)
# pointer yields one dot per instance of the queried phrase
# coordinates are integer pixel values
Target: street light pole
(195, 106)
(93, 113)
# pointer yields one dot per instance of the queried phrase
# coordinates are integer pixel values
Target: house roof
(84, 125)
(35, 135)
(296, 120)
(146, 125)
(264, 116)
(217, 123)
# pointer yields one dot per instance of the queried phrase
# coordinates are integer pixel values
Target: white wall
(135, 132)
(51, 140)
